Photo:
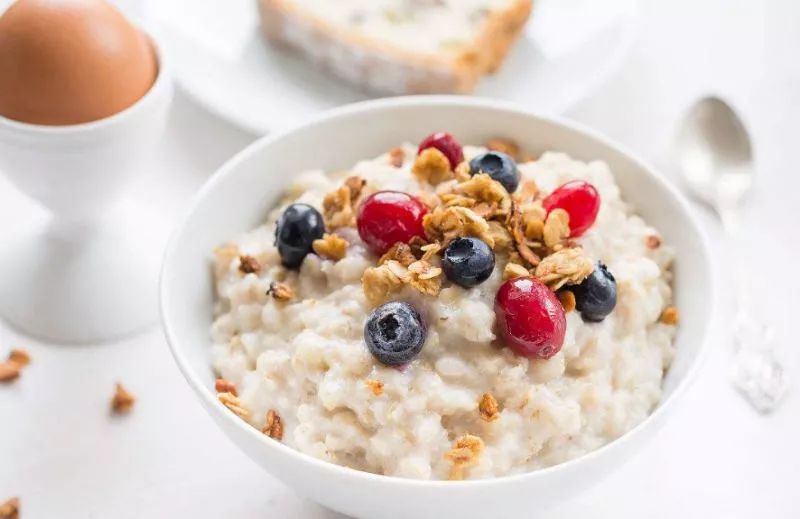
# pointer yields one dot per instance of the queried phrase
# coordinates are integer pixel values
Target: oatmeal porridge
(446, 312)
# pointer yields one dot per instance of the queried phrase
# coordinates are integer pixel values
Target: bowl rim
(214, 407)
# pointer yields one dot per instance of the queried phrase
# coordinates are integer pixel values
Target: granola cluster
(339, 206)
(537, 242)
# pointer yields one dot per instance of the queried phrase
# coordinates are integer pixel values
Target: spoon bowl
(714, 154)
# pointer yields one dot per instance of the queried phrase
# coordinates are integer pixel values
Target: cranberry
(530, 318)
(445, 143)
(578, 198)
(388, 217)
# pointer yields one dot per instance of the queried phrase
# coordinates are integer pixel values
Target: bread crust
(385, 68)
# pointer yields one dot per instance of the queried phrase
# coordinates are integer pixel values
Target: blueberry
(596, 297)
(298, 227)
(395, 333)
(468, 261)
(497, 165)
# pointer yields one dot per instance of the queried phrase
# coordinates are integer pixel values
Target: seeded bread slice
(385, 65)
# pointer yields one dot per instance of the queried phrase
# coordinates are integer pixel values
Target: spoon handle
(758, 374)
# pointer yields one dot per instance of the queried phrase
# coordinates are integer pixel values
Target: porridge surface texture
(305, 359)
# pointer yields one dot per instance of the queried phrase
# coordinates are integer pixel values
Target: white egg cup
(87, 274)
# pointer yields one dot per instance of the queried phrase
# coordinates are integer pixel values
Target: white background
(63, 454)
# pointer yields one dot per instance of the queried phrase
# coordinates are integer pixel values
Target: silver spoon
(716, 161)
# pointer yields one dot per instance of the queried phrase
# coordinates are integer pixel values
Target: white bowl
(239, 196)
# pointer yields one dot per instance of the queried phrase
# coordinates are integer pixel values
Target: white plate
(220, 58)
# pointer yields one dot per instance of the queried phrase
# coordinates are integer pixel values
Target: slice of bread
(400, 46)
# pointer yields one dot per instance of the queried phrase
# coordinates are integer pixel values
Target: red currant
(445, 143)
(578, 198)
(388, 217)
(530, 318)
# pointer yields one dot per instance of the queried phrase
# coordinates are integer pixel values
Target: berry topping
(445, 143)
(298, 227)
(468, 262)
(388, 217)
(530, 318)
(596, 296)
(395, 333)
(580, 200)
(497, 165)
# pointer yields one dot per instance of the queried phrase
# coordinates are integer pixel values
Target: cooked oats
(305, 359)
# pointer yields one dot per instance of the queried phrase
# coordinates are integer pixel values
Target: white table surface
(63, 454)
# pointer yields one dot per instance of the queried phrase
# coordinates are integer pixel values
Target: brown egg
(70, 61)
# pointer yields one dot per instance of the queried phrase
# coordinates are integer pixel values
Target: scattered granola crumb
(556, 227)
(670, 316)
(249, 265)
(399, 252)
(11, 368)
(566, 266)
(432, 166)
(122, 401)
(653, 242)
(273, 426)
(376, 386)
(9, 371)
(488, 408)
(331, 246)
(464, 454)
(20, 357)
(514, 270)
(232, 402)
(507, 146)
(10, 509)
(280, 291)
(567, 298)
(396, 157)
(225, 386)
